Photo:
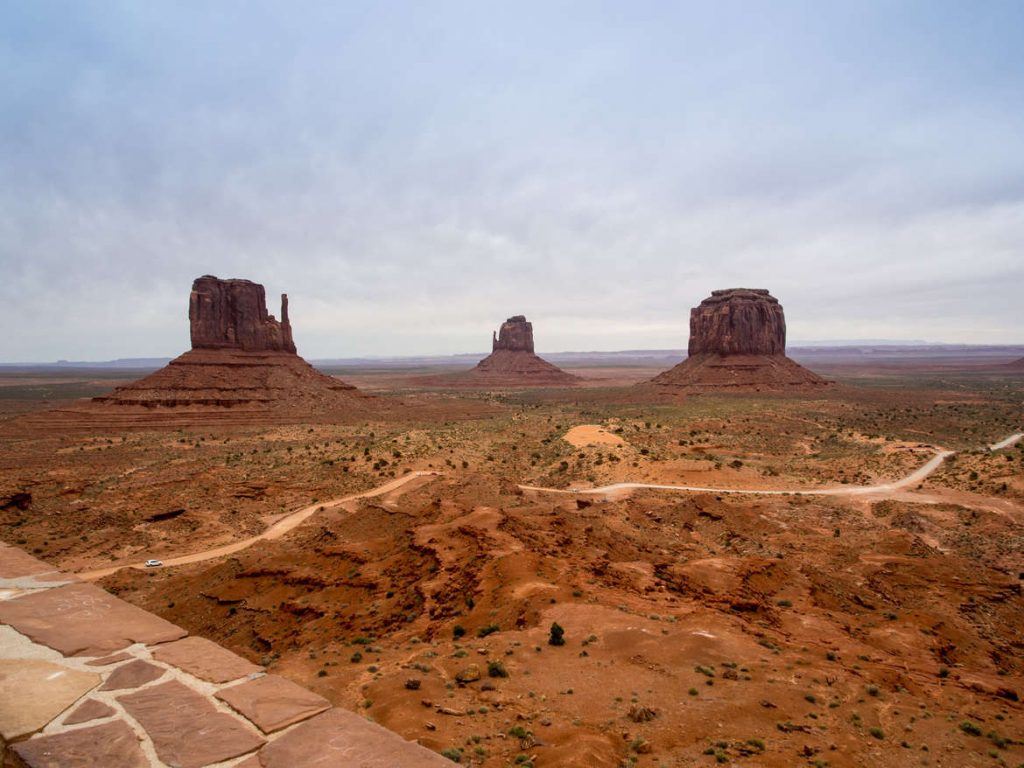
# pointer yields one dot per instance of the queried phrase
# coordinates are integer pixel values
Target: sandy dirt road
(913, 478)
(297, 518)
(1011, 440)
(277, 530)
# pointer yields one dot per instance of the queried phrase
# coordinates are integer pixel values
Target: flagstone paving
(33, 692)
(108, 745)
(83, 620)
(185, 726)
(89, 680)
(90, 710)
(205, 659)
(273, 702)
(341, 738)
(132, 675)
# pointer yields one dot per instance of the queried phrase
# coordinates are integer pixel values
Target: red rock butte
(243, 366)
(512, 363)
(232, 314)
(738, 341)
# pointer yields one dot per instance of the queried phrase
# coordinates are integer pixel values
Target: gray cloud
(411, 175)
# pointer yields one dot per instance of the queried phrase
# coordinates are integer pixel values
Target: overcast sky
(413, 173)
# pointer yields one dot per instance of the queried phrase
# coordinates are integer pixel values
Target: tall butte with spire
(738, 341)
(242, 359)
(232, 314)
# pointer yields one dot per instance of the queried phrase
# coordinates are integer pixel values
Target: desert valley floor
(436, 547)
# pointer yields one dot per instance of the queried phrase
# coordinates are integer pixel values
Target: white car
(154, 563)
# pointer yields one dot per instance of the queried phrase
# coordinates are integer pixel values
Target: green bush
(970, 728)
(453, 754)
(556, 635)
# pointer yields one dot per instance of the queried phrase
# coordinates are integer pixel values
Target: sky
(412, 173)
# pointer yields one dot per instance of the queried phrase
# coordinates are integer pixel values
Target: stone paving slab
(90, 710)
(273, 702)
(132, 675)
(186, 729)
(340, 738)
(111, 745)
(14, 564)
(205, 659)
(106, 661)
(83, 620)
(50, 618)
(34, 692)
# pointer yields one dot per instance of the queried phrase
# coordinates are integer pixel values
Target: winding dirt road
(1011, 440)
(297, 518)
(275, 531)
(913, 478)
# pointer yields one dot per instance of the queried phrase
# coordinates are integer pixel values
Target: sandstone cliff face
(515, 335)
(738, 341)
(232, 314)
(738, 321)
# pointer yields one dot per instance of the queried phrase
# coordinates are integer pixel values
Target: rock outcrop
(738, 321)
(232, 314)
(242, 358)
(738, 341)
(512, 363)
(515, 335)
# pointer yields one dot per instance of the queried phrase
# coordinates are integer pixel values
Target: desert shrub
(557, 635)
(970, 728)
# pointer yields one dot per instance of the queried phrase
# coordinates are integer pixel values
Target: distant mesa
(1016, 365)
(738, 341)
(242, 358)
(512, 363)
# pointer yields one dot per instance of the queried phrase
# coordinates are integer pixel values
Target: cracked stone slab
(341, 738)
(204, 659)
(186, 729)
(272, 702)
(132, 675)
(34, 692)
(83, 620)
(90, 710)
(111, 745)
